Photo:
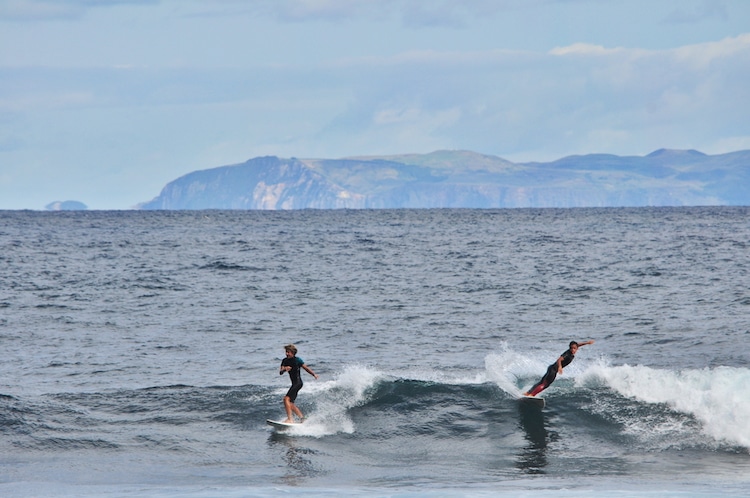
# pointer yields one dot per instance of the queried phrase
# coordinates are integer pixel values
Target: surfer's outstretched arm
(307, 369)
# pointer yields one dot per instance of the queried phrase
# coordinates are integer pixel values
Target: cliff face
(260, 183)
(462, 179)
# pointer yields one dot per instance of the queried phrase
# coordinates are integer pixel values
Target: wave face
(382, 427)
(707, 407)
(141, 352)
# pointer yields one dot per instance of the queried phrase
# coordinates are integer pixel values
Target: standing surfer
(292, 364)
(556, 368)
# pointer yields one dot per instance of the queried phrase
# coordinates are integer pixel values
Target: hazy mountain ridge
(465, 179)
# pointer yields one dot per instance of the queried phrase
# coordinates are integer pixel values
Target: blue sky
(105, 101)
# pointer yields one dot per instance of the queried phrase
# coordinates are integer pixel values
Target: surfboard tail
(531, 400)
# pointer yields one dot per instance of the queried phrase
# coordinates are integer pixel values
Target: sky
(106, 101)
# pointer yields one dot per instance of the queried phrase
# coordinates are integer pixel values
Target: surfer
(556, 368)
(292, 364)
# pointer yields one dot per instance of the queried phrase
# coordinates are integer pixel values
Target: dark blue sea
(141, 351)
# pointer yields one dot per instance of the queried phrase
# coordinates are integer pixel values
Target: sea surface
(140, 352)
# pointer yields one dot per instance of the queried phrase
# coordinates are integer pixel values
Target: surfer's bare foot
(288, 421)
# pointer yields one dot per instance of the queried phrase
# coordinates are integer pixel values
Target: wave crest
(719, 398)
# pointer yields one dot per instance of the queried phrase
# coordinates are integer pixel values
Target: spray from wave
(719, 398)
(671, 404)
(513, 371)
(713, 401)
(358, 385)
(333, 399)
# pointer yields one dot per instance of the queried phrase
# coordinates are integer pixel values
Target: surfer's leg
(538, 388)
(288, 407)
(289, 399)
(549, 378)
(534, 388)
(297, 411)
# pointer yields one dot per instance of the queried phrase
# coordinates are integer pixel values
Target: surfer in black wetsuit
(556, 368)
(292, 364)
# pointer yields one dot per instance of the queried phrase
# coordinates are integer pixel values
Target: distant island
(465, 179)
(66, 206)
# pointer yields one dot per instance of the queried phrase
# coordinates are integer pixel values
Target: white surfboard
(281, 426)
(531, 400)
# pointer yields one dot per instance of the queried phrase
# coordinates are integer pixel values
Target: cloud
(702, 55)
(410, 13)
(579, 98)
(332, 10)
(584, 49)
(693, 14)
(36, 10)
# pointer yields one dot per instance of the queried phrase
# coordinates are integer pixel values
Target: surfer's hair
(292, 348)
(573, 343)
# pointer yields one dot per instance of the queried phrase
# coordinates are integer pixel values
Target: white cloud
(584, 49)
(726, 144)
(495, 101)
(575, 99)
(700, 56)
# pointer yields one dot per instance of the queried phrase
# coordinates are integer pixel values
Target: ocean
(141, 352)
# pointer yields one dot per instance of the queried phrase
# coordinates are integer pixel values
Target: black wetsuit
(294, 375)
(551, 374)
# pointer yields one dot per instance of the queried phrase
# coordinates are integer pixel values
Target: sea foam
(719, 398)
(333, 399)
